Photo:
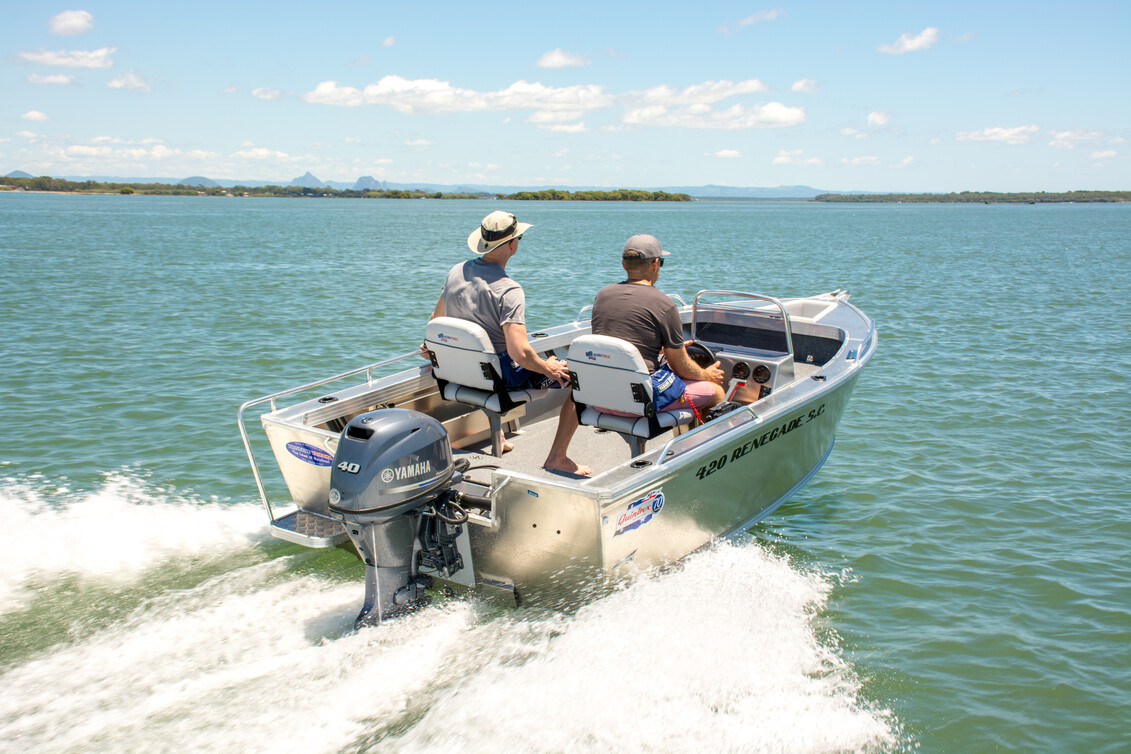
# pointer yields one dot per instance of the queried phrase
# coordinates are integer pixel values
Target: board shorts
(520, 378)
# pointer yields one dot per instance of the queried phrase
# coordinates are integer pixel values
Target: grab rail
(741, 294)
(368, 370)
(692, 439)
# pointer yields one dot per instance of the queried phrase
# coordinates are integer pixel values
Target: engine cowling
(390, 485)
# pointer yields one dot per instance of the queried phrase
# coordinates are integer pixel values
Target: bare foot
(568, 466)
(508, 446)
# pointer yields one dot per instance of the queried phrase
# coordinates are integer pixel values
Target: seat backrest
(609, 373)
(460, 348)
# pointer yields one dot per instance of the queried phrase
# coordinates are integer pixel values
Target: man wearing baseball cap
(636, 311)
(479, 290)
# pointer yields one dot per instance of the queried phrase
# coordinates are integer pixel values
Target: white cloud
(795, 157)
(559, 58)
(229, 89)
(903, 163)
(561, 152)
(71, 22)
(267, 93)
(857, 161)
(1018, 135)
(389, 41)
(553, 116)
(727, 154)
(75, 59)
(34, 115)
(260, 154)
(808, 86)
(761, 16)
(26, 134)
(737, 117)
(707, 93)
(1070, 138)
(129, 82)
(563, 128)
(329, 93)
(1104, 155)
(878, 118)
(431, 95)
(59, 79)
(847, 131)
(658, 106)
(82, 150)
(911, 43)
(418, 144)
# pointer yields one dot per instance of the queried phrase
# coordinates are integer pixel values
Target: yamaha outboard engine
(391, 485)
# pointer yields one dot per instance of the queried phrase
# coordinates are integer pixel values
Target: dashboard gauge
(761, 374)
(741, 370)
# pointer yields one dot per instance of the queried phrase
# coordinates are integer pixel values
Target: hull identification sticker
(309, 454)
(640, 512)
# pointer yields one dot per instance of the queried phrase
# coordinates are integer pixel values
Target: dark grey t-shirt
(640, 314)
(482, 293)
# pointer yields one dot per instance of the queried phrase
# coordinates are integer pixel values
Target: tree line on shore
(47, 183)
(982, 197)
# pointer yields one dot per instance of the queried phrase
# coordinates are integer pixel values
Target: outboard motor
(392, 486)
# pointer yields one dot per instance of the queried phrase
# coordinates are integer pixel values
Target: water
(954, 579)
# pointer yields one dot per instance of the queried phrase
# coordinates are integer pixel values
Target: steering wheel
(700, 354)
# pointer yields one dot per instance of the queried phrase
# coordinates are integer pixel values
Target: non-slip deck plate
(309, 529)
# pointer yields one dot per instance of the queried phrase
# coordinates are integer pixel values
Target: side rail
(695, 306)
(366, 370)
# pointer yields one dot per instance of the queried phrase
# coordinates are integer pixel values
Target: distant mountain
(367, 183)
(19, 174)
(199, 180)
(307, 181)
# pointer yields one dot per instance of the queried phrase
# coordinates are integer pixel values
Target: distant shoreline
(48, 185)
(981, 197)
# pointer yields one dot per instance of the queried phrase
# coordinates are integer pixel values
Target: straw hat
(497, 229)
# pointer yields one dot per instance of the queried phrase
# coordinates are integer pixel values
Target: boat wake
(722, 651)
(112, 534)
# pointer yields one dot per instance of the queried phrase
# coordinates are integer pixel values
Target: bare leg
(557, 460)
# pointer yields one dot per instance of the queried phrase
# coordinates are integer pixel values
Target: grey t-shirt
(640, 314)
(482, 293)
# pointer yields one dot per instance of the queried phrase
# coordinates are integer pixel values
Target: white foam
(720, 654)
(114, 532)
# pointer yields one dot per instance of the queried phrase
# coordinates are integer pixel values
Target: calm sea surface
(956, 578)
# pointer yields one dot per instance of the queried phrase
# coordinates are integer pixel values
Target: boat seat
(467, 370)
(609, 373)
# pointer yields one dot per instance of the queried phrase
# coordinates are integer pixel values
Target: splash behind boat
(406, 466)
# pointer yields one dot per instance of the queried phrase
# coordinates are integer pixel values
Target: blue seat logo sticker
(309, 454)
(640, 512)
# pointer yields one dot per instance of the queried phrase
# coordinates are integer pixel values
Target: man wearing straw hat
(480, 291)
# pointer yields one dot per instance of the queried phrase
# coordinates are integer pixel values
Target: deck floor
(600, 450)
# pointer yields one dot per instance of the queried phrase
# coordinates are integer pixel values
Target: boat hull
(552, 544)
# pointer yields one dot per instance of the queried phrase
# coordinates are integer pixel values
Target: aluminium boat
(401, 459)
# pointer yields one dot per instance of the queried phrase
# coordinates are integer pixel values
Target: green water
(954, 579)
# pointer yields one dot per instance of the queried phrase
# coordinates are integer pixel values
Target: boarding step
(309, 529)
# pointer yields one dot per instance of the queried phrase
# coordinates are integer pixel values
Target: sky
(867, 96)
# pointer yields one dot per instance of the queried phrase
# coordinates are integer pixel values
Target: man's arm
(683, 366)
(439, 310)
(519, 349)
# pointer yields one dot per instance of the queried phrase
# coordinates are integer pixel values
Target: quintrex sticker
(310, 454)
(640, 512)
